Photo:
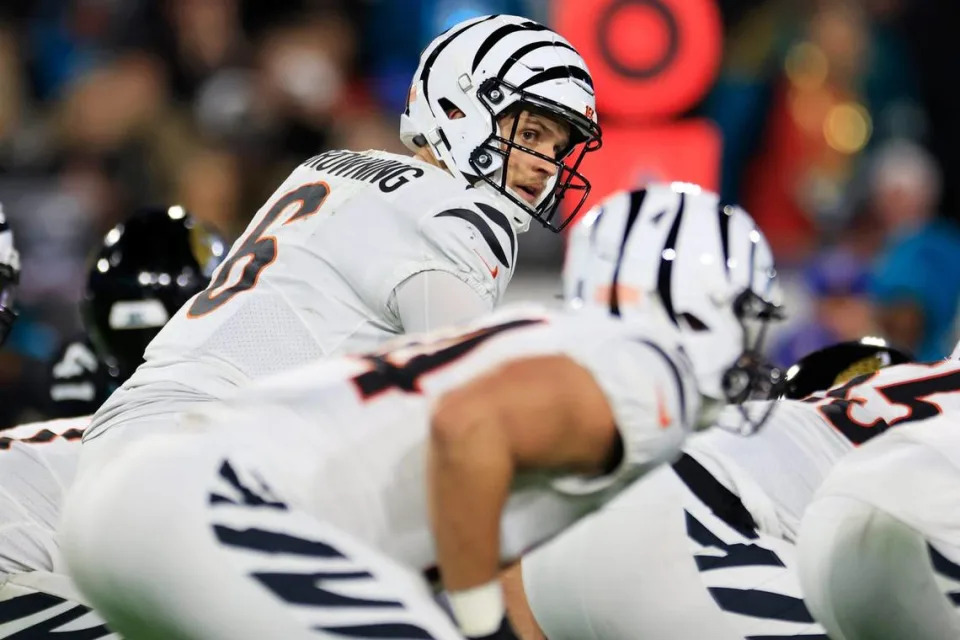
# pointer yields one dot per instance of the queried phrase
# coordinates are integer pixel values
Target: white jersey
(38, 462)
(776, 471)
(345, 439)
(315, 275)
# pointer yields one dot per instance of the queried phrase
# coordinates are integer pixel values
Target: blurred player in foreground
(313, 503)
(707, 548)
(879, 546)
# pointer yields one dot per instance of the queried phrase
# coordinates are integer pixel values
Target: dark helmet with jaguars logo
(838, 363)
(147, 268)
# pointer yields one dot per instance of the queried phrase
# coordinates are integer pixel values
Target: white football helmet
(675, 252)
(484, 67)
(9, 278)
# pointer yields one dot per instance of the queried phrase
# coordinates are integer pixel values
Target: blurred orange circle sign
(649, 58)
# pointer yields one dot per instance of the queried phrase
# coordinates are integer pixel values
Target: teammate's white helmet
(484, 67)
(676, 252)
(9, 277)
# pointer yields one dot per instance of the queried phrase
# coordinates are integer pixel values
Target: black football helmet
(146, 269)
(833, 365)
(9, 278)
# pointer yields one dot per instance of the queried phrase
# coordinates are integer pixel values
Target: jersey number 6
(257, 250)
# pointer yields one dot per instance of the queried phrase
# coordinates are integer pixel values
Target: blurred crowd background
(838, 121)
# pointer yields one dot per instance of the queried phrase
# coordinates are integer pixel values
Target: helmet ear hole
(693, 322)
(452, 111)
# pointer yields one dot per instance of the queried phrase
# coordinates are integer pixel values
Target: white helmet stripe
(595, 225)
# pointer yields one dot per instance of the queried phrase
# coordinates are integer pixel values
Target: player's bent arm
(616, 407)
(432, 299)
(542, 412)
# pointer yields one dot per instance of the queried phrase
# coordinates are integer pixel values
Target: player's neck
(426, 155)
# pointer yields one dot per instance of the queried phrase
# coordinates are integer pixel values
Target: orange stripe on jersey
(42, 436)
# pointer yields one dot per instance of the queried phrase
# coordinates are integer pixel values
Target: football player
(312, 503)
(354, 248)
(147, 267)
(879, 547)
(707, 547)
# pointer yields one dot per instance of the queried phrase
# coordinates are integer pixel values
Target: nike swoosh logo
(495, 271)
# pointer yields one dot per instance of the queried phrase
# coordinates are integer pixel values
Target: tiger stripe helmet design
(485, 67)
(675, 251)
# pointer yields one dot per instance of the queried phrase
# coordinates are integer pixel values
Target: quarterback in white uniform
(354, 248)
(708, 547)
(879, 546)
(312, 503)
(38, 461)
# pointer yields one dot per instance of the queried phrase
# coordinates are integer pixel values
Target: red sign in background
(651, 60)
(685, 150)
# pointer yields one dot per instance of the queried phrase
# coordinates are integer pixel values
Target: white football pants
(184, 537)
(880, 544)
